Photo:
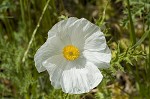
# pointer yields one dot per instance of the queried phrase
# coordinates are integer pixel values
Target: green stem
(132, 31)
(22, 12)
(104, 12)
(149, 52)
(35, 30)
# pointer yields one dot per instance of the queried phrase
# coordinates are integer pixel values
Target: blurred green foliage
(121, 23)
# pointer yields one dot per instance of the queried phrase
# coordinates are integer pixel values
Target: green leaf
(128, 61)
(142, 39)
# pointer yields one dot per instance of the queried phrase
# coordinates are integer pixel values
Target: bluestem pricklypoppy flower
(72, 54)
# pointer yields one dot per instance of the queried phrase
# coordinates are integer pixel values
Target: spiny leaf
(128, 61)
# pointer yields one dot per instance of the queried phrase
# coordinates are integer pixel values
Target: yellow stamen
(71, 52)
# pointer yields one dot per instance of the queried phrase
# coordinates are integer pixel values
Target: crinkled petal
(101, 60)
(79, 77)
(82, 30)
(63, 30)
(95, 42)
(51, 47)
(74, 77)
(55, 66)
(63, 27)
(75, 31)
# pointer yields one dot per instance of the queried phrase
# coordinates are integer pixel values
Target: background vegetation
(23, 29)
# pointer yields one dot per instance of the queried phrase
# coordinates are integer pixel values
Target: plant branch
(35, 30)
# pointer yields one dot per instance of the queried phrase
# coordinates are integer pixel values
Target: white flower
(72, 54)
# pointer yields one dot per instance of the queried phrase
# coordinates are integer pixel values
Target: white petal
(61, 27)
(75, 31)
(95, 42)
(55, 66)
(74, 77)
(80, 78)
(51, 47)
(101, 60)
(82, 30)
(63, 30)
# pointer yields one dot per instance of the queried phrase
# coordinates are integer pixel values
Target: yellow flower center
(71, 52)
